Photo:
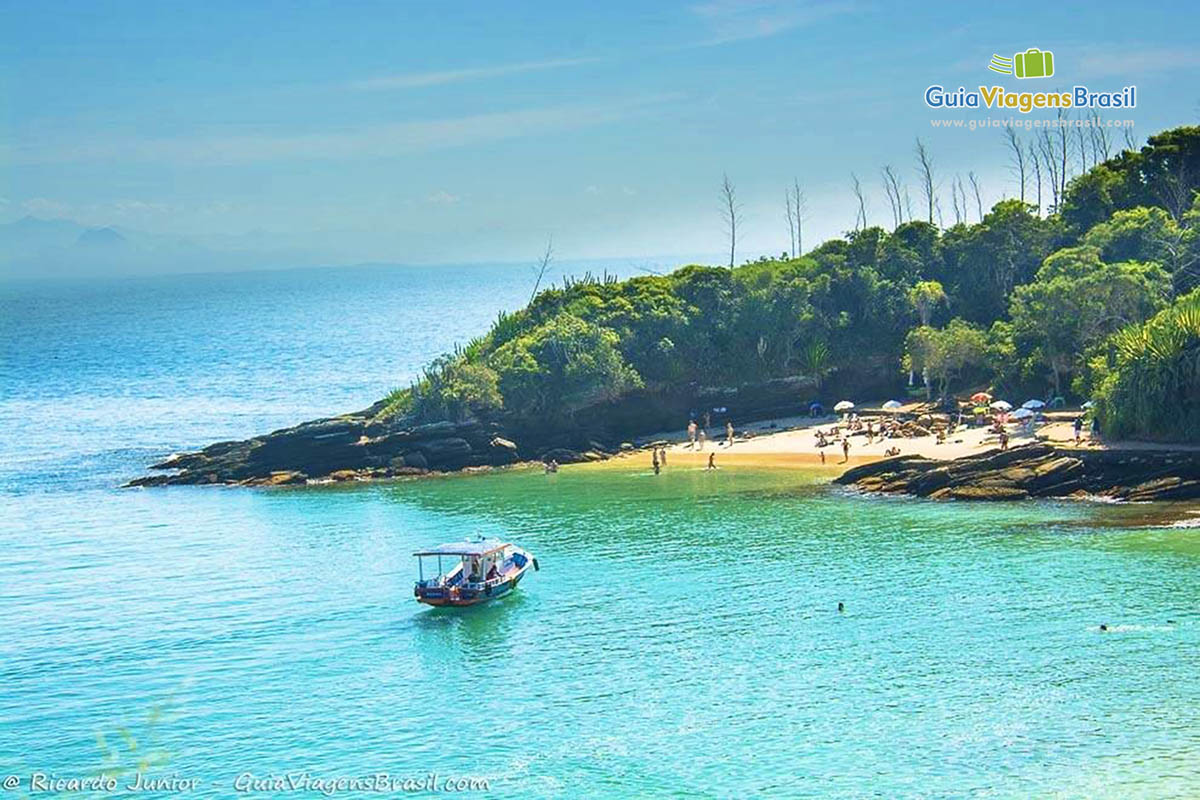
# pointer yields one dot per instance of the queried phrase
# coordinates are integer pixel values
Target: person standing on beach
(663, 457)
(822, 454)
(692, 434)
(707, 419)
(654, 461)
(1003, 439)
(1078, 429)
(845, 449)
(712, 460)
(701, 438)
(728, 433)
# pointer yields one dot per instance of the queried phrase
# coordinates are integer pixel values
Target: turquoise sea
(681, 638)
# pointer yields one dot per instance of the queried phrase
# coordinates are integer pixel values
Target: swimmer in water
(841, 607)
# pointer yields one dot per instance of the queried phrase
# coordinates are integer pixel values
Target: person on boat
(712, 460)
(493, 572)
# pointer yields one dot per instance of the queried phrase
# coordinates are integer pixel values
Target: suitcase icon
(1034, 63)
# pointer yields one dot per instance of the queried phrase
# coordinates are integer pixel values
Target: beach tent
(892, 405)
(1033, 404)
(1022, 413)
(844, 405)
(1001, 405)
(979, 398)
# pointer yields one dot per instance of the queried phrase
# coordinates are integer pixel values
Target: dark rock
(415, 459)
(562, 455)
(1037, 470)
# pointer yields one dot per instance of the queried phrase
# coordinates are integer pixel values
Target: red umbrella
(981, 397)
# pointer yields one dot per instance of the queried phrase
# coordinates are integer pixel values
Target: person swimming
(841, 607)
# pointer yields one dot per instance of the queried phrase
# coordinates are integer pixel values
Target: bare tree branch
(731, 212)
(925, 169)
(543, 265)
(978, 195)
(1017, 162)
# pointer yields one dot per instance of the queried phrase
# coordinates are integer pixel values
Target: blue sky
(470, 131)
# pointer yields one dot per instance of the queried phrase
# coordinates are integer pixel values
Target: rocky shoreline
(358, 446)
(369, 444)
(1037, 470)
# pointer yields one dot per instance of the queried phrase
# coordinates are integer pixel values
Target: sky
(450, 132)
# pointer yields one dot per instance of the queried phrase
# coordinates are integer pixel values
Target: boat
(480, 569)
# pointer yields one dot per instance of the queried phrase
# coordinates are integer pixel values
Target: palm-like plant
(1151, 387)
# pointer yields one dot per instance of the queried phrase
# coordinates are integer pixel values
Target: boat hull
(442, 596)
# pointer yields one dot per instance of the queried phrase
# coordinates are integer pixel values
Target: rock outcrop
(356, 446)
(1037, 470)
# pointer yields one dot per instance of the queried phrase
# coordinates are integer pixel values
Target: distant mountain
(62, 248)
(29, 236)
(102, 238)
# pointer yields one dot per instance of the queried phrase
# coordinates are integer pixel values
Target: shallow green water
(681, 639)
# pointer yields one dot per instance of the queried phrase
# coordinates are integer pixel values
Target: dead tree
(543, 265)
(791, 220)
(925, 169)
(1037, 175)
(1017, 163)
(800, 209)
(891, 185)
(731, 212)
(860, 222)
(978, 195)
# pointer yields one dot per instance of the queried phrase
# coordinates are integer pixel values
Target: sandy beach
(792, 442)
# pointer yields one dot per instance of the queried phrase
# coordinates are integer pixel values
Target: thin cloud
(1131, 63)
(415, 80)
(740, 20)
(355, 143)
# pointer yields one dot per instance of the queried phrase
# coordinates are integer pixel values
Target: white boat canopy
(471, 547)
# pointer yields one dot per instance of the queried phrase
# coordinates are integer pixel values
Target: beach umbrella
(844, 405)
(980, 398)
(1001, 405)
(1033, 404)
(1022, 413)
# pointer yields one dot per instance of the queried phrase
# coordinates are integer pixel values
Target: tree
(925, 170)
(940, 355)
(891, 187)
(814, 361)
(860, 221)
(1076, 301)
(1016, 160)
(1149, 383)
(1151, 234)
(543, 265)
(731, 213)
(925, 297)
(561, 366)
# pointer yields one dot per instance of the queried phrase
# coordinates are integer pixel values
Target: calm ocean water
(681, 639)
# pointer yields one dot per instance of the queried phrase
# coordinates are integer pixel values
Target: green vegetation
(1028, 303)
(1148, 383)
